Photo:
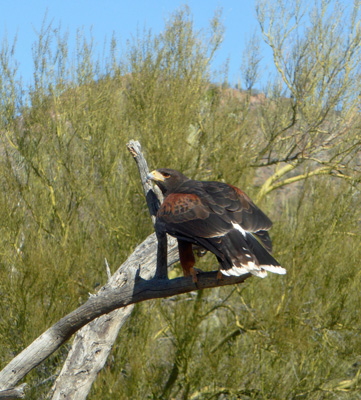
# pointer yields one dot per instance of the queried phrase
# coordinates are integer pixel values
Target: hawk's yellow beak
(155, 176)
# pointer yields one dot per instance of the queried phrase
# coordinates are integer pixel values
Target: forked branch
(134, 282)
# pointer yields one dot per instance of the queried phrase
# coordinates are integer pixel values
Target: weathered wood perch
(135, 281)
(14, 393)
(93, 343)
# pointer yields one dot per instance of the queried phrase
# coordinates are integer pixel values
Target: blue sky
(123, 17)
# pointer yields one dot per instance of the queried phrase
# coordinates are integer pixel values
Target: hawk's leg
(162, 268)
(187, 259)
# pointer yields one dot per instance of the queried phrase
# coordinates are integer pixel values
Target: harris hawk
(217, 217)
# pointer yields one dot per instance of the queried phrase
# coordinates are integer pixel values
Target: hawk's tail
(240, 254)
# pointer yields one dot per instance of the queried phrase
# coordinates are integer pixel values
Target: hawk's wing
(235, 205)
(188, 214)
(224, 220)
(210, 209)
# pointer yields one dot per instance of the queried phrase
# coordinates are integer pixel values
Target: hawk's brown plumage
(219, 217)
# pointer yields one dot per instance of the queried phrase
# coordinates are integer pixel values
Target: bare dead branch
(138, 267)
(88, 354)
(130, 288)
(93, 343)
(131, 284)
(153, 198)
(13, 393)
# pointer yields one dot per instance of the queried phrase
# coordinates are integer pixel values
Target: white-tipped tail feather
(276, 269)
(238, 271)
(260, 271)
(240, 252)
(235, 271)
(252, 257)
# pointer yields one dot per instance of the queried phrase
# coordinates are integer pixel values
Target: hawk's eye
(166, 175)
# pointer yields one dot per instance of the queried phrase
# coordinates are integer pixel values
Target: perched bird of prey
(219, 218)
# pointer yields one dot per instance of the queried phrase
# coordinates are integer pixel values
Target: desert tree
(310, 120)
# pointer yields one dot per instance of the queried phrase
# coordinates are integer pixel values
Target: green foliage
(70, 196)
(316, 51)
